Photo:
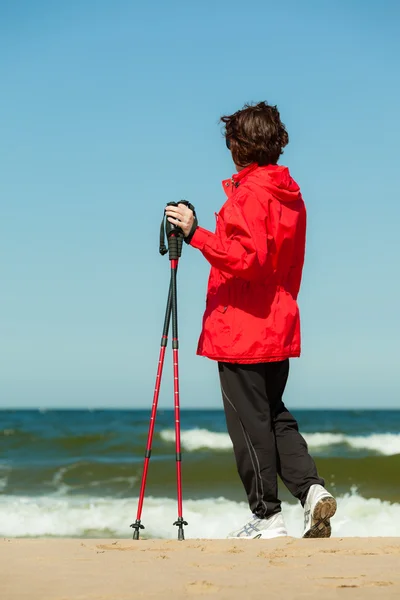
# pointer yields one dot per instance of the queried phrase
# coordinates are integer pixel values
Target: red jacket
(256, 255)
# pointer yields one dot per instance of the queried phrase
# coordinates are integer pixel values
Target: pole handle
(174, 235)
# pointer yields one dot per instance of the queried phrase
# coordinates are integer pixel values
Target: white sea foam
(4, 472)
(384, 443)
(8, 431)
(208, 518)
(196, 439)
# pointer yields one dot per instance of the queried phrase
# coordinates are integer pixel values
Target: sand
(285, 568)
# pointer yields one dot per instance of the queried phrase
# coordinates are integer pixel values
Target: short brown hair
(256, 134)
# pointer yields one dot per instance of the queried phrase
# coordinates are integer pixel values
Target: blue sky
(109, 110)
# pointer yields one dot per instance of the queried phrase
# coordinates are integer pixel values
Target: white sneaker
(319, 507)
(256, 528)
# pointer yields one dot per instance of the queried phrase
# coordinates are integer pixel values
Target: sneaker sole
(243, 537)
(323, 512)
(257, 537)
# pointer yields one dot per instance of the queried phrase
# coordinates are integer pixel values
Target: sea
(77, 473)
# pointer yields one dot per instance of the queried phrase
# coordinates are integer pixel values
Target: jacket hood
(275, 178)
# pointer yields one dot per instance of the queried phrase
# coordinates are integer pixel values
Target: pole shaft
(177, 432)
(174, 300)
(164, 340)
(175, 355)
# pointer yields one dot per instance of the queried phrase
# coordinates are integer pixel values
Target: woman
(251, 325)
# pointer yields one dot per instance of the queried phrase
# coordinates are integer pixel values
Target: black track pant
(265, 436)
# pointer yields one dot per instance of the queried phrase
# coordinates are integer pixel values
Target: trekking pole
(175, 240)
(164, 340)
(175, 357)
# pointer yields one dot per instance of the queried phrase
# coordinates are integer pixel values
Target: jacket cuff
(199, 238)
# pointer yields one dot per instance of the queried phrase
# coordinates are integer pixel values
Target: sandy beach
(82, 569)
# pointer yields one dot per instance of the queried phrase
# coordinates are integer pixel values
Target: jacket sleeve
(296, 270)
(233, 248)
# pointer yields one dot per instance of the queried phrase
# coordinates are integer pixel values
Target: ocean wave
(383, 443)
(4, 473)
(197, 439)
(203, 476)
(212, 518)
(7, 432)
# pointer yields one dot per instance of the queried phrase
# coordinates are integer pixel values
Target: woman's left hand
(181, 216)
